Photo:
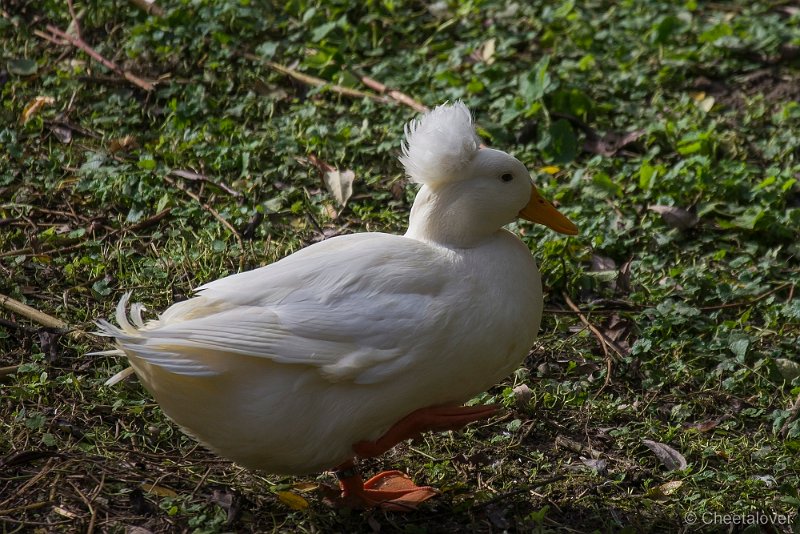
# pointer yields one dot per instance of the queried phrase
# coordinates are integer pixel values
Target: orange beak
(540, 210)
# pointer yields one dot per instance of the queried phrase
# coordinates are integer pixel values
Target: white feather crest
(439, 144)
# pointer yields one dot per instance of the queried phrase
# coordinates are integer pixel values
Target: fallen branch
(77, 42)
(394, 94)
(33, 314)
(605, 341)
(193, 176)
(313, 80)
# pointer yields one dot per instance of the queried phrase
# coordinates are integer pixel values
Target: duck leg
(435, 418)
(389, 490)
(394, 490)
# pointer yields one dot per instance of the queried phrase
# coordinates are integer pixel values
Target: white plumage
(439, 145)
(285, 367)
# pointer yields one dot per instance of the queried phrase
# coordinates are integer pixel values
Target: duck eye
(507, 177)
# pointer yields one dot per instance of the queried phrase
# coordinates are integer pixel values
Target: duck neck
(439, 217)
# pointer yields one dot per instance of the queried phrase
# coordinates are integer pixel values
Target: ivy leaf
(22, 67)
(563, 143)
(536, 83)
(739, 348)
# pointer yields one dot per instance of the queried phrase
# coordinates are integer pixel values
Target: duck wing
(361, 308)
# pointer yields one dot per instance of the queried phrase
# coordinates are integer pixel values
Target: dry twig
(193, 176)
(33, 314)
(605, 341)
(313, 80)
(394, 94)
(77, 42)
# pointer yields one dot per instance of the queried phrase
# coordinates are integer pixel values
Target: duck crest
(439, 145)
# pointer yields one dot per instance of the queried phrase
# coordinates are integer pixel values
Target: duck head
(468, 192)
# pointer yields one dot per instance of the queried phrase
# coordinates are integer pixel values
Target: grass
(668, 131)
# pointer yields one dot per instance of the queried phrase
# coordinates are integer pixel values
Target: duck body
(357, 343)
(285, 367)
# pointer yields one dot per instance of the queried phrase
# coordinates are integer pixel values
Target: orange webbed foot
(389, 490)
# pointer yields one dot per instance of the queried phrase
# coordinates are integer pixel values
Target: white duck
(356, 343)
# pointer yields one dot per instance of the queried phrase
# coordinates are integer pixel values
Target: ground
(662, 393)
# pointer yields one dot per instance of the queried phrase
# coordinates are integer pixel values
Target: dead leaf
(62, 133)
(662, 492)
(706, 104)
(487, 51)
(707, 425)
(522, 395)
(229, 502)
(305, 487)
(292, 500)
(675, 217)
(617, 327)
(339, 184)
(623, 282)
(63, 512)
(33, 107)
(397, 190)
(48, 341)
(122, 144)
(602, 263)
(672, 459)
(610, 143)
(161, 491)
(597, 465)
(710, 424)
(617, 332)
